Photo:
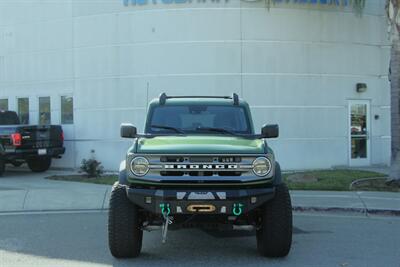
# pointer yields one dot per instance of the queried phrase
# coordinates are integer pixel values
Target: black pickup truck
(35, 145)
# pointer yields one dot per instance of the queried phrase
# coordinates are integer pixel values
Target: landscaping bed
(106, 179)
(330, 180)
(339, 180)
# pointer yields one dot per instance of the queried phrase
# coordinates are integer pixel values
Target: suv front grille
(195, 165)
(200, 159)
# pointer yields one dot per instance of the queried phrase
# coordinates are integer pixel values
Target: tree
(393, 14)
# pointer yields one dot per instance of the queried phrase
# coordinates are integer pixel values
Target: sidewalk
(23, 192)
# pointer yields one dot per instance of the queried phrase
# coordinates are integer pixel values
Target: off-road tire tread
(124, 233)
(274, 237)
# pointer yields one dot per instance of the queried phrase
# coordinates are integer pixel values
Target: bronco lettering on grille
(201, 166)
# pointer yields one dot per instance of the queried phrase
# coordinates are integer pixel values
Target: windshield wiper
(218, 130)
(168, 128)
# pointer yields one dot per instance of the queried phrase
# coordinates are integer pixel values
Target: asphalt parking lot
(55, 223)
(79, 239)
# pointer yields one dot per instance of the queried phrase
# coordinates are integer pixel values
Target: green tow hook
(237, 209)
(165, 209)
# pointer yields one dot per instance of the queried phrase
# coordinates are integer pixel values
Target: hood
(200, 144)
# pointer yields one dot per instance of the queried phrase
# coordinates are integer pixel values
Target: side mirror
(128, 131)
(270, 131)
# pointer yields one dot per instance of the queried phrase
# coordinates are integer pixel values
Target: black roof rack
(234, 97)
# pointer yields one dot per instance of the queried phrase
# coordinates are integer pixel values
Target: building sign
(146, 2)
(316, 2)
(300, 2)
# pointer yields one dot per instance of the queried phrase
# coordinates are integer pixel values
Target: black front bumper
(178, 201)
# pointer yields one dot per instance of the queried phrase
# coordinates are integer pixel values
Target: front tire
(274, 237)
(2, 167)
(39, 164)
(124, 233)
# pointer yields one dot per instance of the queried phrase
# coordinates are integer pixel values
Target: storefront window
(3, 104)
(44, 111)
(67, 110)
(23, 110)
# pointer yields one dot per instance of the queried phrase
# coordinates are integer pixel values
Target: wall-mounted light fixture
(361, 87)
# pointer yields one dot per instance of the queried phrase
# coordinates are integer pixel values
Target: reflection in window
(4, 104)
(23, 110)
(67, 110)
(44, 111)
(358, 119)
(191, 117)
(358, 148)
(359, 134)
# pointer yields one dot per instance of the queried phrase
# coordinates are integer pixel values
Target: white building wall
(295, 66)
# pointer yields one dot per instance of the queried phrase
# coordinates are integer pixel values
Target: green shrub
(92, 168)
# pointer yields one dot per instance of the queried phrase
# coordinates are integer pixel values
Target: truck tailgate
(44, 136)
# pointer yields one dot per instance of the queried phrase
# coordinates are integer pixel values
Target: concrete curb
(384, 212)
(381, 212)
(50, 212)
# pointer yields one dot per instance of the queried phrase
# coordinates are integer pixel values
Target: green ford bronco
(199, 164)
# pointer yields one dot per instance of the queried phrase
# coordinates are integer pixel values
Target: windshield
(198, 119)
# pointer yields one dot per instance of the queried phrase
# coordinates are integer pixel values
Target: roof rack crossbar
(163, 98)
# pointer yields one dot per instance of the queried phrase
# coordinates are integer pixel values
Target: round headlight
(262, 166)
(140, 166)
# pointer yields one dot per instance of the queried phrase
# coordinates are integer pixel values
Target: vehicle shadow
(10, 170)
(20, 172)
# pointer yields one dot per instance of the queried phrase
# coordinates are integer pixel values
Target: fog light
(148, 200)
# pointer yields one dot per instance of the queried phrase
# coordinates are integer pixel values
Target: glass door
(359, 118)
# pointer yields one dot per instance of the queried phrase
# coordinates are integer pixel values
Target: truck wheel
(274, 237)
(2, 167)
(124, 233)
(40, 164)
